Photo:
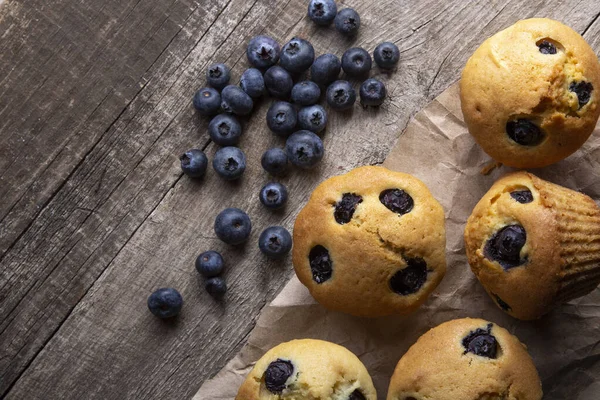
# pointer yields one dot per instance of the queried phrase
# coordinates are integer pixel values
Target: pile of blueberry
(294, 115)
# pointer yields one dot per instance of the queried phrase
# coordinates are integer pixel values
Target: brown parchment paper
(436, 147)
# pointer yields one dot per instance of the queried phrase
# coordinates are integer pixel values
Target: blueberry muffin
(466, 359)
(534, 244)
(308, 369)
(529, 94)
(370, 243)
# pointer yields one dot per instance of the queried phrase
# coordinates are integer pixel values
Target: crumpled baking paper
(437, 148)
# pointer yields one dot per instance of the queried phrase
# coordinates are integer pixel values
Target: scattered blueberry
(304, 149)
(306, 93)
(312, 118)
(347, 22)
(583, 90)
(505, 246)
(547, 47)
(275, 242)
(165, 302)
(282, 118)
(229, 162)
(233, 226)
(372, 92)
(522, 196)
(410, 279)
(524, 132)
(279, 82)
(357, 395)
(275, 161)
(252, 82)
(194, 163)
(340, 95)
(273, 195)
(322, 12)
(397, 200)
(225, 130)
(481, 342)
(356, 62)
(325, 69)
(386, 55)
(344, 209)
(207, 101)
(209, 264)
(216, 286)
(218, 76)
(263, 52)
(235, 101)
(297, 55)
(321, 264)
(277, 374)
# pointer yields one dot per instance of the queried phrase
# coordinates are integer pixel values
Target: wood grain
(95, 215)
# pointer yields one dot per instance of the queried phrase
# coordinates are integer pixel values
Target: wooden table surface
(95, 107)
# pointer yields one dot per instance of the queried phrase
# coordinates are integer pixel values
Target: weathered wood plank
(124, 215)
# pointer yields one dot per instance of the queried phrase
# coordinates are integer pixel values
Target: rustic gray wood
(95, 215)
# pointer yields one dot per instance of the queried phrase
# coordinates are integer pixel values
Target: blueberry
(216, 286)
(481, 342)
(218, 76)
(397, 200)
(194, 163)
(165, 302)
(209, 264)
(225, 130)
(312, 118)
(253, 83)
(372, 92)
(340, 95)
(505, 246)
(277, 374)
(524, 132)
(229, 162)
(297, 55)
(207, 101)
(503, 305)
(322, 12)
(410, 279)
(275, 161)
(279, 82)
(546, 47)
(282, 118)
(583, 90)
(275, 242)
(522, 196)
(235, 101)
(304, 149)
(263, 52)
(233, 226)
(325, 69)
(273, 195)
(344, 209)
(306, 93)
(347, 22)
(357, 395)
(386, 55)
(356, 62)
(321, 264)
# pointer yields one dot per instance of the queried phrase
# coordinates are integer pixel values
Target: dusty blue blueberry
(194, 163)
(306, 93)
(207, 101)
(218, 75)
(209, 264)
(275, 161)
(229, 162)
(282, 118)
(252, 82)
(275, 242)
(322, 12)
(279, 82)
(273, 195)
(225, 130)
(297, 55)
(325, 69)
(356, 62)
(347, 22)
(304, 149)
(235, 101)
(216, 286)
(312, 118)
(165, 302)
(372, 92)
(340, 95)
(233, 226)
(386, 55)
(263, 52)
